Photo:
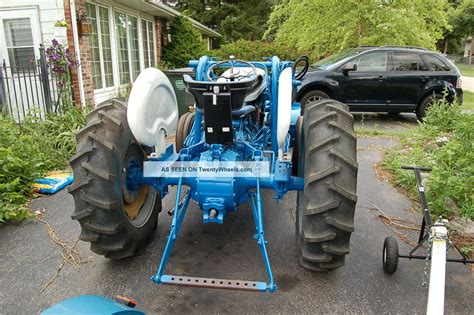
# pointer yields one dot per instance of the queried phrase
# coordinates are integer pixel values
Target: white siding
(49, 11)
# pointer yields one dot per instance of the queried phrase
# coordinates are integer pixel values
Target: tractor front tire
(328, 163)
(117, 221)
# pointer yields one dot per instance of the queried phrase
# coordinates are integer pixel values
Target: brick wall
(85, 67)
(160, 29)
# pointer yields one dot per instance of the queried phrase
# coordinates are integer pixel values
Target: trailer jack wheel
(390, 255)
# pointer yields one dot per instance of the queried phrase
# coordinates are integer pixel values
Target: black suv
(382, 79)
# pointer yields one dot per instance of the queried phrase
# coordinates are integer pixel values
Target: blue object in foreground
(53, 182)
(90, 304)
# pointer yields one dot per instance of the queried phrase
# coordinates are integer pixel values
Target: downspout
(77, 52)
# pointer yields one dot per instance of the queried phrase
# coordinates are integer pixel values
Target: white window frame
(152, 56)
(140, 44)
(129, 51)
(140, 52)
(116, 47)
(101, 56)
(101, 93)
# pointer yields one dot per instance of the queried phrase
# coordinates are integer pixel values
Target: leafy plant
(256, 50)
(30, 151)
(124, 92)
(328, 26)
(444, 142)
(186, 43)
(234, 20)
(61, 23)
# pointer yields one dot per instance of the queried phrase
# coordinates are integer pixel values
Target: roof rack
(401, 46)
(396, 46)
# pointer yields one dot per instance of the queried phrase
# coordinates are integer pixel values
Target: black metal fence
(30, 89)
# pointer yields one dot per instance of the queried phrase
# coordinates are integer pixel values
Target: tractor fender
(152, 108)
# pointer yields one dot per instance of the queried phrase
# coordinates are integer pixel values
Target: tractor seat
(219, 93)
(218, 101)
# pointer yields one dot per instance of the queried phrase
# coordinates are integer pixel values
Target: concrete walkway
(468, 83)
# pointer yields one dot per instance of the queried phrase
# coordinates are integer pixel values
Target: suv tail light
(459, 83)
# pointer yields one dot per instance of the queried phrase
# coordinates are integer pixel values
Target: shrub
(28, 151)
(186, 44)
(256, 50)
(444, 142)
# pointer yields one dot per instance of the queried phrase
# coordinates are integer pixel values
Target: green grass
(468, 102)
(466, 70)
(376, 132)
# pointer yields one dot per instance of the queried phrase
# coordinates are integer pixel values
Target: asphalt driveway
(29, 259)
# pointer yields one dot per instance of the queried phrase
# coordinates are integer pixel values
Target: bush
(256, 50)
(444, 142)
(186, 44)
(30, 150)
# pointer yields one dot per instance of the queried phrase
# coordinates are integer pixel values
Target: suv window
(408, 62)
(435, 64)
(373, 62)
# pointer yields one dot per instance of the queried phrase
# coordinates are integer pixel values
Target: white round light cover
(152, 107)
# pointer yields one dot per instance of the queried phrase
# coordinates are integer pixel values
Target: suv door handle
(381, 77)
(424, 78)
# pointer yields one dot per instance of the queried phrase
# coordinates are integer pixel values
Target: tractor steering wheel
(235, 72)
(301, 74)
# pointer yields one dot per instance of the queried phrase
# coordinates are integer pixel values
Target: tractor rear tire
(326, 207)
(117, 221)
(185, 124)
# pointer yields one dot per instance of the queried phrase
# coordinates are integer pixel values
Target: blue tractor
(244, 135)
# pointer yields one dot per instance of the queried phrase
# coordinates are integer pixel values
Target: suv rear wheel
(425, 103)
(312, 96)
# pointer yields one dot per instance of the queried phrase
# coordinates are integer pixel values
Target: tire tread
(326, 206)
(102, 144)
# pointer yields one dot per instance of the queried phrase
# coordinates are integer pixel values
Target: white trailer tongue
(439, 236)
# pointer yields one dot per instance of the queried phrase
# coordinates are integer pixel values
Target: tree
(186, 43)
(234, 19)
(327, 26)
(461, 18)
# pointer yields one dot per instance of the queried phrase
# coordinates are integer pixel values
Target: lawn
(468, 102)
(466, 70)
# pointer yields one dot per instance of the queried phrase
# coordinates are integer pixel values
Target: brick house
(113, 40)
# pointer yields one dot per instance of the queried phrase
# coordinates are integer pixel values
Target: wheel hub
(133, 196)
(313, 99)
